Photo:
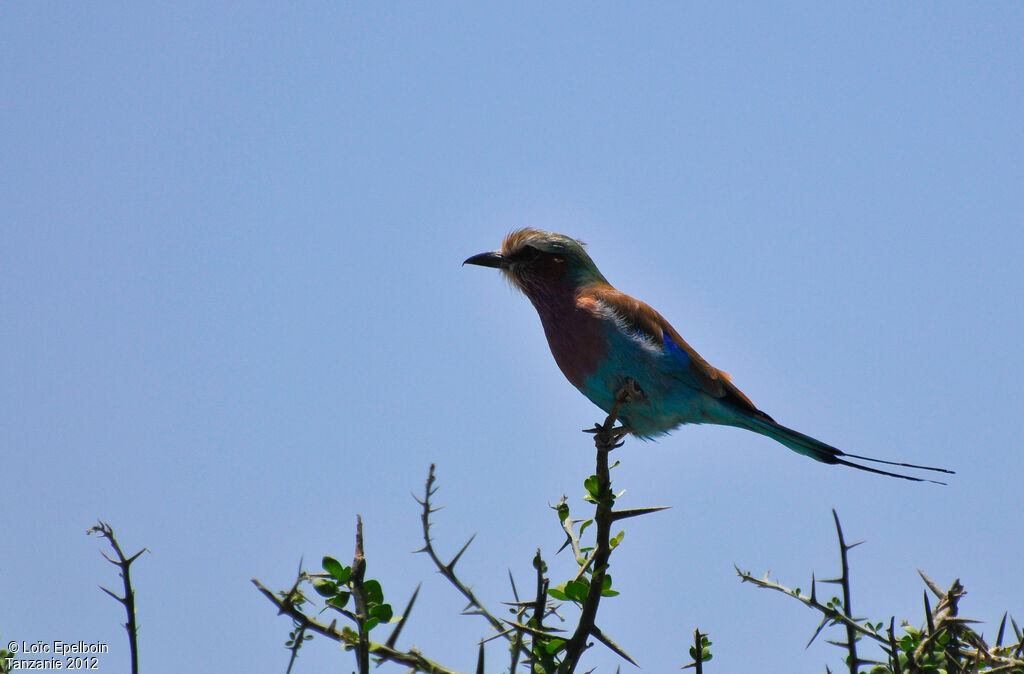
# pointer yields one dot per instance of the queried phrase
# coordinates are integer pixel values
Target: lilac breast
(575, 338)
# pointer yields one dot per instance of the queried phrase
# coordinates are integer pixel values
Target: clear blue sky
(232, 312)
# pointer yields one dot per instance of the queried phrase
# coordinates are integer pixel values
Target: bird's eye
(528, 253)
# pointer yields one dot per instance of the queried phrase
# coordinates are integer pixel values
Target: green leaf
(374, 592)
(555, 645)
(705, 650)
(593, 486)
(542, 660)
(382, 612)
(338, 601)
(616, 539)
(334, 567)
(559, 592)
(585, 525)
(606, 587)
(563, 511)
(324, 587)
(370, 624)
(577, 590)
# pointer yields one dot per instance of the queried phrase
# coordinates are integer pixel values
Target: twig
(298, 635)
(410, 659)
(540, 601)
(965, 651)
(517, 642)
(104, 530)
(844, 581)
(572, 539)
(697, 651)
(359, 595)
(829, 613)
(448, 570)
(606, 438)
(297, 640)
(894, 651)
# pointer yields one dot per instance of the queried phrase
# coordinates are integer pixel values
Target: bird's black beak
(492, 259)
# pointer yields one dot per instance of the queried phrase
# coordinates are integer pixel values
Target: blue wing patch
(676, 351)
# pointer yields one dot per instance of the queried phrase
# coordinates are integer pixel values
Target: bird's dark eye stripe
(526, 253)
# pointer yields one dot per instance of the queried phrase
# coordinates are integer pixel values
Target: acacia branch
(413, 659)
(964, 649)
(844, 581)
(448, 570)
(830, 614)
(606, 438)
(359, 595)
(104, 530)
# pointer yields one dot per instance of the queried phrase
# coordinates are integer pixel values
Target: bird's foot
(607, 436)
(629, 392)
(607, 439)
(616, 433)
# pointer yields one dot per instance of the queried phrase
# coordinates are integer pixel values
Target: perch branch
(104, 530)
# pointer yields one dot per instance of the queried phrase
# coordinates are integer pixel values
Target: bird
(603, 340)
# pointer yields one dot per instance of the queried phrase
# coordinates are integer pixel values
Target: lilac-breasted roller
(601, 338)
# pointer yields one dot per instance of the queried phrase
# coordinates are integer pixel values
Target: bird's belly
(667, 402)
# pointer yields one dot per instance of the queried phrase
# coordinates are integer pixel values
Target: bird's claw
(617, 433)
(630, 392)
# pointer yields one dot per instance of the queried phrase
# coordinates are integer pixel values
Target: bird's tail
(819, 451)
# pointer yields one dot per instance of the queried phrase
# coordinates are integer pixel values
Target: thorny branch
(359, 595)
(844, 580)
(540, 601)
(287, 606)
(527, 634)
(475, 606)
(104, 530)
(943, 621)
(606, 438)
(699, 651)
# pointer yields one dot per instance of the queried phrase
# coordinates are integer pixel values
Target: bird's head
(537, 262)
